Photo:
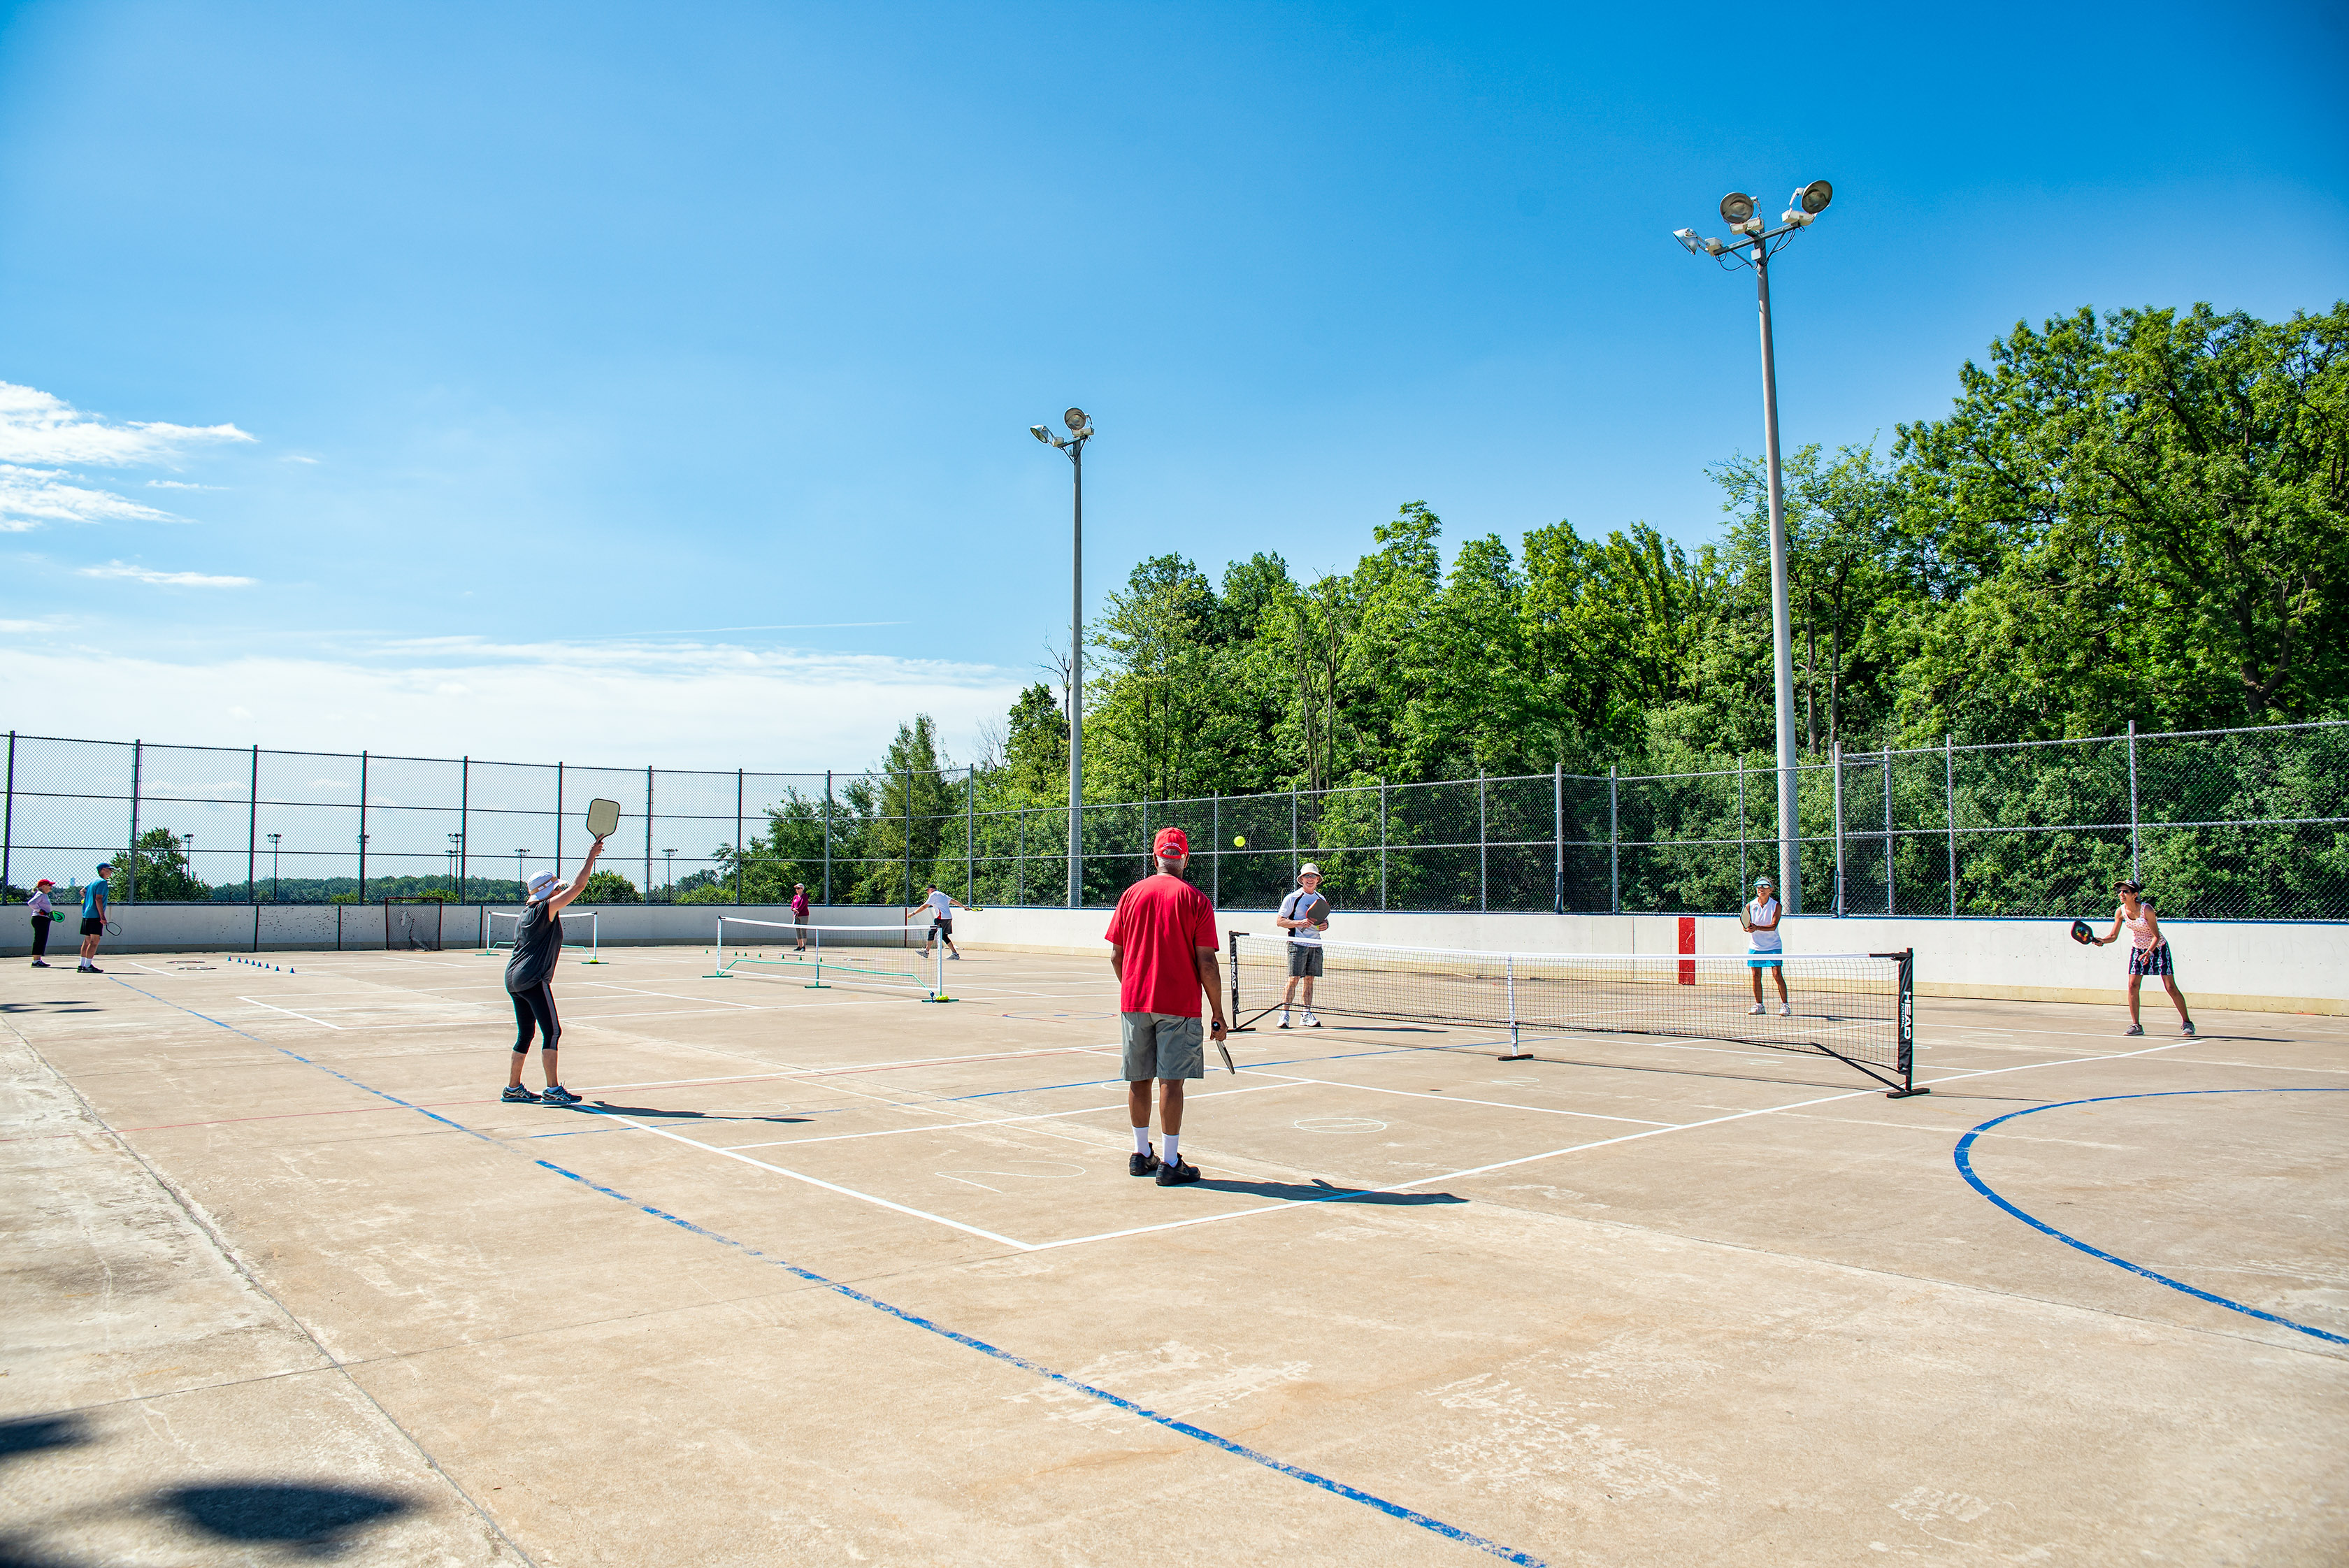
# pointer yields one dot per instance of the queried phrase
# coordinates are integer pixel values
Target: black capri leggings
(40, 936)
(534, 1012)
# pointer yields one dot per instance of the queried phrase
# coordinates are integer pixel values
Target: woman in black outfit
(530, 974)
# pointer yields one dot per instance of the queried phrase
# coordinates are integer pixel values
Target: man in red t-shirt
(1161, 944)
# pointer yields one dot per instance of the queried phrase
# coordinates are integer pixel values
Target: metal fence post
(1021, 900)
(2131, 760)
(8, 823)
(251, 829)
(1835, 760)
(1483, 886)
(1215, 850)
(558, 822)
(909, 835)
(1891, 907)
(1382, 844)
(971, 834)
(363, 834)
(1614, 847)
(1950, 795)
(1557, 837)
(649, 834)
(738, 853)
(131, 872)
(464, 826)
(1744, 869)
(827, 835)
(1293, 861)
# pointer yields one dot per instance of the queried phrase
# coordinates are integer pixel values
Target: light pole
(190, 840)
(1755, 250)
(668, 871)
(1080, 429)
(273, 867)
(521, 888)
(456, 865)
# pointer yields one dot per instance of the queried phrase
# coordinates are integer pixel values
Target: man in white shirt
(1305, 915)
(1764, 951)
(941, 908)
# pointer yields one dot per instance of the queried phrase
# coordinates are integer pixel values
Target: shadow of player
(1320, 1192)
(651, 1114)
(316, 1522)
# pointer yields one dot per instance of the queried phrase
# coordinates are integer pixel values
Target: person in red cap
(1161, 947)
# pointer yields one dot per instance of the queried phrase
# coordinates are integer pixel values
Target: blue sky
(466, 379)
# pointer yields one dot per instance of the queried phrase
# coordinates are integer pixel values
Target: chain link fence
(2235, 824)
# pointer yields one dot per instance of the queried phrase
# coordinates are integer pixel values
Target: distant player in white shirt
(1764, 951)
(941, 908)
(1305, 915)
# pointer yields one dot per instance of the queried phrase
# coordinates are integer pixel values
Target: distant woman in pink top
(2148, 952)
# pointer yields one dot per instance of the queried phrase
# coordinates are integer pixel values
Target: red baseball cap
(1171, 842)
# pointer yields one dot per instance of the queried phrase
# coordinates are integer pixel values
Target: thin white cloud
(38, 427)
(31, 497)
(165, 579)
(178, 484)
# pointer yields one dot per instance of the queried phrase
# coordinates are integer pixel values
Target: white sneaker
(1755, 1011)
(1283, 1020)
(1312, 1022)
(1784, 1011)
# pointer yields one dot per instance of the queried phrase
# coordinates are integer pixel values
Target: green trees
(609, 887)
(156, 871)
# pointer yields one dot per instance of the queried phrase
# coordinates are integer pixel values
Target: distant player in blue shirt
(93, 921)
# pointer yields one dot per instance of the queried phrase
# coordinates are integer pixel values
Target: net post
(1517, 1051)
(1907, 958)
(1232, 942)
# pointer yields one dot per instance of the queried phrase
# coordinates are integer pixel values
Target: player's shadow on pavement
(314, 1521)
(651, 1114)
(1322, 1193)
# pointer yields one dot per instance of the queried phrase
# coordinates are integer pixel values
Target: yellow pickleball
(1240, 843)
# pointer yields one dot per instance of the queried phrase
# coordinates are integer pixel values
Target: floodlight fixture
(1074, 418)
(1689, 242)
(1041, 433)
(1735, 208)
(1813, 198)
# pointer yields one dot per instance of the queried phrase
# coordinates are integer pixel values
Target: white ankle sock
(1142, 1141)
(1174, 1141)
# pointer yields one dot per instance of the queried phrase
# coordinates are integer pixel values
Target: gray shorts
(1304, 958)
(1161, 1046)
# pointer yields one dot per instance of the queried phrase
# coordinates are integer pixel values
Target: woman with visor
(530, 977)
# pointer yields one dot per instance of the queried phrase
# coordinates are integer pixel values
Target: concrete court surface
(834, 1277)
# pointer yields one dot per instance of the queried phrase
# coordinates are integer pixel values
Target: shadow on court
(1320, 1191)
(650, 1114)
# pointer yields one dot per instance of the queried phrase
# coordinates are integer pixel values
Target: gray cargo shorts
(1161, 1046)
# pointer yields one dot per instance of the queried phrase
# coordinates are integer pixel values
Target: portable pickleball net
(1857, 1007)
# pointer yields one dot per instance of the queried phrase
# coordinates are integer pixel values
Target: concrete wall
(2265, 966)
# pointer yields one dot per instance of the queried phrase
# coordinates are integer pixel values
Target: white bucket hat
(1309, 870)
(539, 885)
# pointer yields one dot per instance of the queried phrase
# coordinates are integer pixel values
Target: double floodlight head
(1080, 426)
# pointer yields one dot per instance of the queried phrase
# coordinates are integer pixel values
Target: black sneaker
(1142, 1164)
(1178, 1174)
(40, 963)
(89, 969)
(517, 1095)
(557, 1095)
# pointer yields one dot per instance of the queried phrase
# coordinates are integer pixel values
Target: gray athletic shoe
(2134, 1029)
(516, 1094)
(557, 1095)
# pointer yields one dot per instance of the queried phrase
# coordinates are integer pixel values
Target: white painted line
(817, 1182)
(1462, 1100)
(292, 1014)
(640, 991)
(859, 1067)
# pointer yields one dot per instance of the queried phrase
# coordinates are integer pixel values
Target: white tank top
(2140, 930)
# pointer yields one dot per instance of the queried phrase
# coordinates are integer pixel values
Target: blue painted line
(1966, 1169)
(1199, 1434)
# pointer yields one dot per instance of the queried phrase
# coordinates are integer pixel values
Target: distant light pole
(1759, 244)
(273, 867)
(668, 870)
(190, 840)
(521, 887)
(456, 865)
(1080, 429)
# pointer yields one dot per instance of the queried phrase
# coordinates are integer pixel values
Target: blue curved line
(1335, 1488)
(1966, 1169)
